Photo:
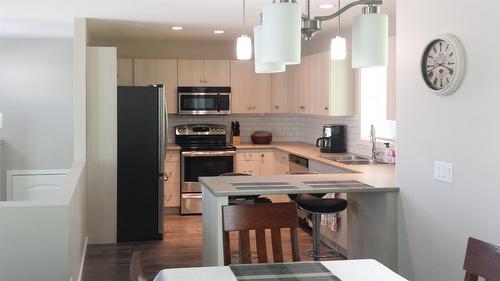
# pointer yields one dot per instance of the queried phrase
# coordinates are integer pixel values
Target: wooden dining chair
(258, 218)
(481, 260)
(137, 267)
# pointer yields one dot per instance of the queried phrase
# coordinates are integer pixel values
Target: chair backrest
(137, 267)
(481, 260)
(259, 217)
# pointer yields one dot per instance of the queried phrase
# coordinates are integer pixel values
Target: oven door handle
(207, 153)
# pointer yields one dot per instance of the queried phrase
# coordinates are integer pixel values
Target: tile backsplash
(285, 127)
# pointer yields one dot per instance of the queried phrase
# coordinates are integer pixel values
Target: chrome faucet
(373, 140)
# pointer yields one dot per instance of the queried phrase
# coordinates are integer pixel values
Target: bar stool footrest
(323, 254)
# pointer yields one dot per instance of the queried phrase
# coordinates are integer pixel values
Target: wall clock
(443, 64)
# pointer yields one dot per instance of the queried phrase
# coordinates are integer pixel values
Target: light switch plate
(443, 171)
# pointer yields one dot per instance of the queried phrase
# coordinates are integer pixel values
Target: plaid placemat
(298, 271)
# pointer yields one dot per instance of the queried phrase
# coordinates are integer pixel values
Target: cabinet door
(171, 195)
(267, 163)
(293, 82)
(241, 98)
(144, 72)
(217, 73)
(342, 96)
(304, 85)
(125, 70)
(319, 83)
(261, 88)
(166, 74)
(280, 94)
(248, 167)
(190, 73)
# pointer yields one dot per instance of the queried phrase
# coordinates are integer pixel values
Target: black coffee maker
(333, 140)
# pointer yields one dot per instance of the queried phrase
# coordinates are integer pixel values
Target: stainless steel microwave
(204, 100)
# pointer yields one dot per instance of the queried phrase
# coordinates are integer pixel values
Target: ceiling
(149, 19)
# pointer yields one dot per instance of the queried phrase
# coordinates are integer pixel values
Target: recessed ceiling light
(177, 27)
(218, 31)
(326, 6)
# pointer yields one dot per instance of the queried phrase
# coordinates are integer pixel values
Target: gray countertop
(224, 186)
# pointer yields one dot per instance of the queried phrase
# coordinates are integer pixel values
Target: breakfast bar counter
(371, 213)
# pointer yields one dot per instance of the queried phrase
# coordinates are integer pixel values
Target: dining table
(337, 270)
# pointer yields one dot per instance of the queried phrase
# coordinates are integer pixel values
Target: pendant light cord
(338, 28)
(244, 18)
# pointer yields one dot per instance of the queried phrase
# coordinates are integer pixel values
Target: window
(373, 104)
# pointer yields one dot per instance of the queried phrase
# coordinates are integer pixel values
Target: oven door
(198, 103)
(195, 164)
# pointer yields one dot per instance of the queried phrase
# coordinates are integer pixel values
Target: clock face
(438, 64)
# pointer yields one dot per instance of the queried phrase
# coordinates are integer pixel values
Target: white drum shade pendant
(338, 48)
(260, 66)
(244, 48)
(281, 35)
(370, 35)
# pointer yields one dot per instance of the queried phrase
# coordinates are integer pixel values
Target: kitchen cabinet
(125, 72)
(172, 180)
(320, 86)
(256, 163)
(281, 162)
(158, 71)
(250, 92)
(279, 96)
(202, 73)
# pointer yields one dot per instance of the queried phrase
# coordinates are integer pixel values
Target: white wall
(436, 218)
(36, 102)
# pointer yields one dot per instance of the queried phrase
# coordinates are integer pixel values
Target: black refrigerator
(142, 121)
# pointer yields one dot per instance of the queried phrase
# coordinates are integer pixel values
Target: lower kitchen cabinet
(172, 180)
(281, 163)
(256, 163)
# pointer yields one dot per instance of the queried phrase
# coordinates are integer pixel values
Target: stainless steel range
(204, 152)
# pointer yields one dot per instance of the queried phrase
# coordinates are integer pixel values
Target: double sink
(352, 159)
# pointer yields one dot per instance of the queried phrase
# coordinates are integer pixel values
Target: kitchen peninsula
(371, 213)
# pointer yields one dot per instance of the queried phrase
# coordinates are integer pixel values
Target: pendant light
(338, 44)
(370, 35)
(281, 32)
(244, 43)
(260, 66)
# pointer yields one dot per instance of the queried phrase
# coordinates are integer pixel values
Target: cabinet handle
(169, 197)
(201, 81)
(276, 107)
(169, 156)
(326, 107)
(302, 107)
(166, 177)
(254, 107)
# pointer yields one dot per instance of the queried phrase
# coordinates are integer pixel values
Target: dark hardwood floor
(181, 247)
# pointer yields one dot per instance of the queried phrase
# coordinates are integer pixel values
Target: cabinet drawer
(253, 155)
(172, 172)
(171, 195)
(172, 156)
(248, 167)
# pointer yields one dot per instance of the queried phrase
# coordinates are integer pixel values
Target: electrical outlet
(443, 171)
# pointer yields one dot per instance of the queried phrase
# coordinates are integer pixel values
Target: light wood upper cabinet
(158, 71)
(280, 93)
(250, 92)
(125, 70)
(166, 74)
(215, 73)
(320, 86)
(144, 72)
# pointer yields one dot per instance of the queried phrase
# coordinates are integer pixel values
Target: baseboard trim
(83, 259)
(171, 211)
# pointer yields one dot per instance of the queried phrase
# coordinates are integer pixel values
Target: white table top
(346, 270)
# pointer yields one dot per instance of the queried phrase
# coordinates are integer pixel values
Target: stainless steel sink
(262, 185)
(352, 159)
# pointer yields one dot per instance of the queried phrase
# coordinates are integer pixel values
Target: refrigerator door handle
(161, 129)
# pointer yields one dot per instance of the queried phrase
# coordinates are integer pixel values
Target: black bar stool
(318, 206)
